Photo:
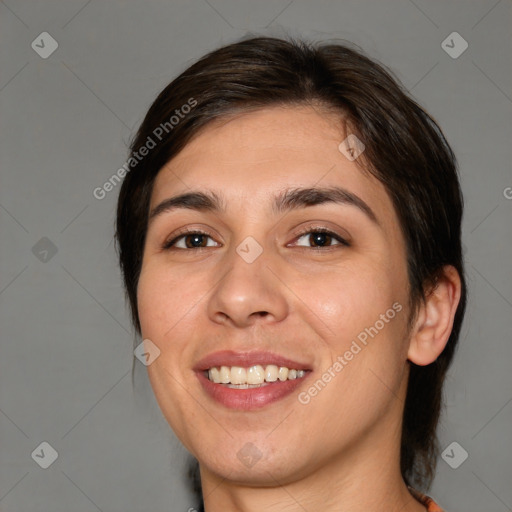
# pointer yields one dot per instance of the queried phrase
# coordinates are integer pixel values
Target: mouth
(237, 377)
(249, 380)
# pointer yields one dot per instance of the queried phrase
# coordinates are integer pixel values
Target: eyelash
(168, 245)
(326, 231)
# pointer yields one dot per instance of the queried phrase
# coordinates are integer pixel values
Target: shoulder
(429, 503)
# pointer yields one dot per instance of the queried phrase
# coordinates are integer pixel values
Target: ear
(435, 319)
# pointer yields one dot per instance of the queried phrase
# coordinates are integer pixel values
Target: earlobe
(435, 319)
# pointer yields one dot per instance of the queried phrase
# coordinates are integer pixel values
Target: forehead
(250, 157)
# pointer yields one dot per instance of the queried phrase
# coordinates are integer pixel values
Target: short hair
(405, 150)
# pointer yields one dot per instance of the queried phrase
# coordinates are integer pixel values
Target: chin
(254, 464)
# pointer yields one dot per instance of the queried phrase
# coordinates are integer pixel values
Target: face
(270, 284)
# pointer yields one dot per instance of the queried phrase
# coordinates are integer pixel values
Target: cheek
(360, 315)
(164, 299)
(346, 301)
(165, 307)
(365, 317)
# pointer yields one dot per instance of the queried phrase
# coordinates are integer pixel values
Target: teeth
(225, 375)
(271, 373)
(214, 374)
(238, 375)
(254, 376)
(283, 373)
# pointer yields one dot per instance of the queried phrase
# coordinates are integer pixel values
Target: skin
(341, 450)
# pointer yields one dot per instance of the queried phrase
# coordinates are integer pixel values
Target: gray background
(66, 340)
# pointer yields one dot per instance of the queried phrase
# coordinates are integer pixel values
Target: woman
(289, 235)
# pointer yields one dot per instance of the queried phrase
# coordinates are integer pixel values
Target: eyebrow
(288, 200)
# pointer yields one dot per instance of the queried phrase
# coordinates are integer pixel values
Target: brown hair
(404, 148)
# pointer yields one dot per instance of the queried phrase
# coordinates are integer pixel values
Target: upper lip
(246, 360)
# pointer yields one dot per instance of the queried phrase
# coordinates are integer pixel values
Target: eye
(190, 240)
(319, 238)
(316, 238)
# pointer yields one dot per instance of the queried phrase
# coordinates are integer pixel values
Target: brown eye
(196, 240)
(320, 238)
(192, 240)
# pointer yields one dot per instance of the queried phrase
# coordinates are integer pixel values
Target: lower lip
(251, 398)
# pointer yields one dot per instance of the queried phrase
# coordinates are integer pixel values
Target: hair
(405, 150)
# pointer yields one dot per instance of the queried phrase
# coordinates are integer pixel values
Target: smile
(249, 380)
(254, 376)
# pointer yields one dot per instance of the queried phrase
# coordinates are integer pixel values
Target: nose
(247, 293)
